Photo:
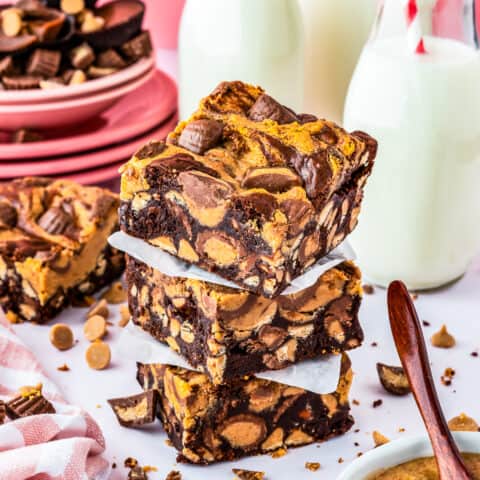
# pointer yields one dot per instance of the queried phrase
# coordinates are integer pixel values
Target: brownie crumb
(63, 368)
(369, 289)
(173, 475)
(393, 379)
(401, 430)
(341, 460)
(377, 403)
(247, 474)
(137, 473)
(359, 454)
(414, 296)
(355, 402)
(356, 444)
(130, 462)
(379, 439)
(425, 323)
(356, 430)
(114, 465)
(474, 354)
(280, 452)
(312, 466)
(374, 344)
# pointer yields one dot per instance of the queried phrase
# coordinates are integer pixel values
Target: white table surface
(458, 306)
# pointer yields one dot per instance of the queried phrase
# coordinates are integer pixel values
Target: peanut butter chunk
(95, 328)
(312, 466)
(61, 336)
(98, 355)
(124, 316)
(463, 423)
(72, 7)
(443, 339)
(11, 21)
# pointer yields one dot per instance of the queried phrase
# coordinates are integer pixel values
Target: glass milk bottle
(420, 220)
(335, 32)
(257, 41)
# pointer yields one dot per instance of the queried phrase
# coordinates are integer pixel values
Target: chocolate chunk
(201, 135)
(122, 20)
(29, 402)
(44, 62)
(181, 162)
(23, 82)
(306, 118)
(110, 59)
(45, 24)
(393, 379)
(271, 179)
(8, 215)
(138, 47)
(3, 412)
(16, 44)
(327, 135)
(256, 203)
(136, 410)
(82, 56)
(6, 66)
(268, 108)
(150, 150)
(55, 221)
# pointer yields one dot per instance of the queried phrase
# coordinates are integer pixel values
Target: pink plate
(33, 96)
(133, 115)
(96, 176)
(42, 116)
(86, 161)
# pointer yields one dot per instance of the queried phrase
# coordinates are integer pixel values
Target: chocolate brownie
(248, 189)
(228, 333)
(210, 423)
(53, 245)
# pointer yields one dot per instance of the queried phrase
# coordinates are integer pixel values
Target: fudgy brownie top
(242, 142)
(39, 216)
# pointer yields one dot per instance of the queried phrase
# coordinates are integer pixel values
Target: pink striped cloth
(65, 446)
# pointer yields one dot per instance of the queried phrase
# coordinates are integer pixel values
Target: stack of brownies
(257, 194)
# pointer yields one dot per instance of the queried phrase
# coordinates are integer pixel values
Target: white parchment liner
(169, 265)
(318, 376)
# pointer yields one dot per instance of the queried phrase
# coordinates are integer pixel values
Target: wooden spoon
(413, 354)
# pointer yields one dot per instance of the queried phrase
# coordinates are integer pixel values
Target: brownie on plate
(229, 333)
(248, 189)
(53, 245)
(209, 423)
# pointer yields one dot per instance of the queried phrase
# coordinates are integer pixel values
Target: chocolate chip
(306, 118)
(201, 135)
(44, 62)
(55, 221)
(268, 108)
(8, 215)
(180, 162)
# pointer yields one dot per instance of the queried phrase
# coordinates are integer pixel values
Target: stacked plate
(89, 130)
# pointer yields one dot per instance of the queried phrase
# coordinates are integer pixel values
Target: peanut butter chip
(124, 316)
(98, 355)
(95, 328)
(61, 336)
(99, 308)
(11, 21)
(463, 423)
(72, 7)
(115, 294)
(379, 439)
(443, 339)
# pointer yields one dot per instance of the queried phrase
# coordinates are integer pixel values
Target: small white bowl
(401, 451)
(70, 92)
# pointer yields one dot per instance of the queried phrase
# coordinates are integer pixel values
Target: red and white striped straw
(414, 28)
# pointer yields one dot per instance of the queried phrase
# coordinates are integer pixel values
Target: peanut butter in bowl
(425, 469)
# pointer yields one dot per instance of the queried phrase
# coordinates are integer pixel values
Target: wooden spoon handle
(413, 354)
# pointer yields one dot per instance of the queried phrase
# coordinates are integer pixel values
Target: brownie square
(53, 245)
(209, 423)
(248, 189)
(228, 333)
